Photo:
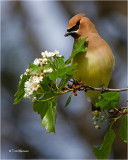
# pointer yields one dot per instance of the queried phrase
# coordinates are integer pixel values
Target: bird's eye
(74, 28)
(77, 24)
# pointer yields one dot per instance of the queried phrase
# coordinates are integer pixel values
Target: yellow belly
(93, 70)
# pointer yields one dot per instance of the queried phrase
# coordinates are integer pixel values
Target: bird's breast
(94, 67)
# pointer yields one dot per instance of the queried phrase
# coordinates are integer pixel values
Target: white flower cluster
(40, 61)
(34, 81)
(47, 54)
(32, 85)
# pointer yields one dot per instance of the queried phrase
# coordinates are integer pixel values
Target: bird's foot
(75, 89)
(103, 90)
(75, 86)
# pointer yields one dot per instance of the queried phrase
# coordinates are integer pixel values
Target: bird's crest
(74, 20)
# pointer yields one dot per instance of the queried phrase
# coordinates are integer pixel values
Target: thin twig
(84, 87)
(103, 89)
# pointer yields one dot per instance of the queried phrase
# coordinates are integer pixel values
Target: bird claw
(76, 86)
(102, 89)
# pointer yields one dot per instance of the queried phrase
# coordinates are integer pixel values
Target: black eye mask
(74, 28)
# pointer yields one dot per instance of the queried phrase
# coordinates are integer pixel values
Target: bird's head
(78, 26)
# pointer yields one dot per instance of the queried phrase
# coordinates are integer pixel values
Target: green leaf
(20, 93)
(68, 101)
(48, 96)
(62, 73)
(79, 46)
(50, 117)
(104, 150)
(64, 81)
(41, 107)
(37, 69)
(108, 100)
(46, 84)
(39, 92)
(123, 129)
(33, 68)
(59, 63)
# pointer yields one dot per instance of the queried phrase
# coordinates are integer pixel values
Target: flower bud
(97, 127)
(34, 99)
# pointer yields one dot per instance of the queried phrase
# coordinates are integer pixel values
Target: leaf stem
(46, 99)
(56, 84)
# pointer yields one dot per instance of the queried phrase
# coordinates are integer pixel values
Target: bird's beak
(70, 33)
(67, 34)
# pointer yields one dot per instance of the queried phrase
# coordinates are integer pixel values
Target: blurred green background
(27, 29)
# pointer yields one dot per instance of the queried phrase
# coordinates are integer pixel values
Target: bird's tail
(95, 109)
(93, 98)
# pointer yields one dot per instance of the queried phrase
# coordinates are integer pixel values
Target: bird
(95, 66)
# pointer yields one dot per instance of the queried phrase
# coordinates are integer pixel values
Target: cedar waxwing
(94, 67)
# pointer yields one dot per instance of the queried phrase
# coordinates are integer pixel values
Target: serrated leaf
(50, 117)
(79, 46)
(104, 150)
(20, 93)
(68, 101)
(41, 107)
(62, 73)
(108, 100)
(59, 63)
(123, 129)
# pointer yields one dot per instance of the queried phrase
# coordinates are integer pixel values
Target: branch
(79, 86)
(104, 89)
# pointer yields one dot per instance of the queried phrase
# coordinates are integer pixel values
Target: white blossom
(45, 71)
(26, 72)
(21, 76)
(44, 60)
(44, 54)
(49, 70)
(32, 85)
(35, 79)
(59, 55)
(26, 95)
(40, 61)
(36, 61)
(47, 54)
(28, 84)
(56, 52)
